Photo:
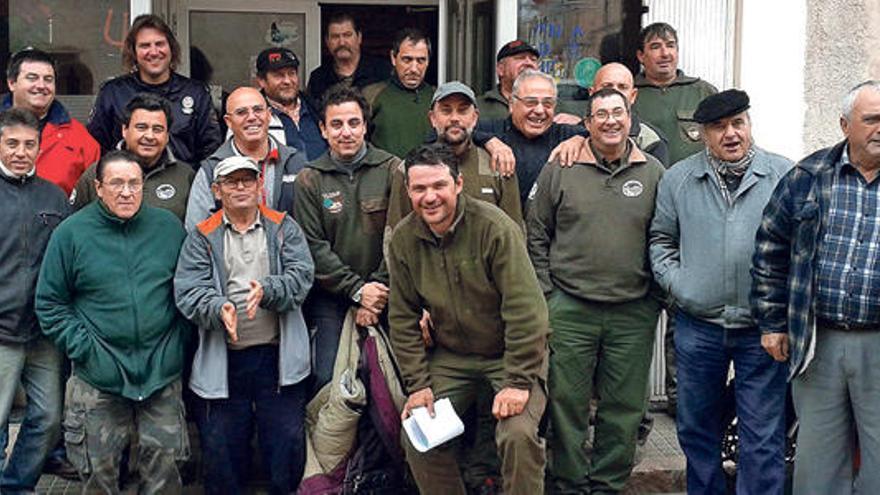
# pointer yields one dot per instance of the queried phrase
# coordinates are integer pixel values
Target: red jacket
(66, 147)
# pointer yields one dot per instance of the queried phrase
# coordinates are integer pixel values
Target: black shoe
(61, 467)
(672, 407)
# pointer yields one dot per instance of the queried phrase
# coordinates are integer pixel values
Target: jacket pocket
(374, 212)
(687, 126)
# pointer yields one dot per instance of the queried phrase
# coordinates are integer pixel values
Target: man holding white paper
(465, 262)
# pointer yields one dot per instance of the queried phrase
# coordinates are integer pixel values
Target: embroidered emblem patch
(332, 201)
(632, 188)
(187, 104)
(165, 191)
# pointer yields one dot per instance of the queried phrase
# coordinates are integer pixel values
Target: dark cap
(515, 47)
(276, 58)
(454, 88)
(720, 105)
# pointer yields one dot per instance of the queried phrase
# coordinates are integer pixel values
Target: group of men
(519, 263)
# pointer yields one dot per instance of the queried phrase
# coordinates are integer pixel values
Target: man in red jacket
(66, 148)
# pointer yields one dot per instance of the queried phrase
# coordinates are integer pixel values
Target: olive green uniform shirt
(588, 226)
(342, 211)
(399, 115)
(480, 289)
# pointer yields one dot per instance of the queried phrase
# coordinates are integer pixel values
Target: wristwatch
(358, 295)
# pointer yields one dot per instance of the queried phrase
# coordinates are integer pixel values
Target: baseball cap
(233, 163)
(276, 58)
(454, 88)
(515, 47)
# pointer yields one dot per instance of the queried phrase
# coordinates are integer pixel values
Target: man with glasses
(588, 240)
(242, 278)
(105, 298)
(247, 115)
(529, 130)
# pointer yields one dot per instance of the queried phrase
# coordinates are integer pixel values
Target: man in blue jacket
(150, 54)
(242, 277)
(702, 238)
(32, 207)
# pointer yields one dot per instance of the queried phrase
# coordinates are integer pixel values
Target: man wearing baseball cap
(709, 208)
(513, 58)
(294, 119)
(241, 278)
(453, 115)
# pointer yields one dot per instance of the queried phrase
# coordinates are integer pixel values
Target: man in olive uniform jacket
(466, 263)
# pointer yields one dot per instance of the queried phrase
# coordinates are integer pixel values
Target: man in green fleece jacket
(588, 239)
(465, 262)
(400, 105)
(340, 201)
(105, 297)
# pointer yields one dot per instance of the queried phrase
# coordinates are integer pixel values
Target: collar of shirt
(229, 225)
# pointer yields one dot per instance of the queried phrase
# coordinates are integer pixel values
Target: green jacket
(105, 297)
(342, 213)
(493, 105)
(480, 182)
(671, 109)
(165, 186)
(399, 115)
(481, 291)
(588, 226)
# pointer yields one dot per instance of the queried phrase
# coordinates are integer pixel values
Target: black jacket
(32, 208)
(195, 132)
(370, 70)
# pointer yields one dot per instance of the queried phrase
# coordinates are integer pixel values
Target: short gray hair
(530, 74)
(849, 101)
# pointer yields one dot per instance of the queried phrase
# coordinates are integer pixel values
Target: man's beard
(465, 135)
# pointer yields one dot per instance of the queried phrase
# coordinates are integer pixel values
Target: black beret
(720, 105)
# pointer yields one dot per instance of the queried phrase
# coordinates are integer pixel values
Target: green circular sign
(585, 71)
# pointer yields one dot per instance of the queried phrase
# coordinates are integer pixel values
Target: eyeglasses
(235, 183)
(603, 115)
(116, 186)
(532, 102)
(244, 111)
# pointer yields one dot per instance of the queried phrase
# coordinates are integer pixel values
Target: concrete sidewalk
(660, 467)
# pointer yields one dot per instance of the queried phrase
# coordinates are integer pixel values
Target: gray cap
(454, 88)
(233, 163)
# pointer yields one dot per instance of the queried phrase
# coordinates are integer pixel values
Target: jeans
(37, 366)
(325, 315)
(704, 352)
(226, 426)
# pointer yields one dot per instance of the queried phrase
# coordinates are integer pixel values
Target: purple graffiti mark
(108, 21)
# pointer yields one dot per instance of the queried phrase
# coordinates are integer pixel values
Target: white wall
(705, 35)
(772, 72)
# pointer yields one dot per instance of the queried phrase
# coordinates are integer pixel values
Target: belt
(846, 327)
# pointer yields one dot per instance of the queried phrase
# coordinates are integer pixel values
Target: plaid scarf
(730, 174)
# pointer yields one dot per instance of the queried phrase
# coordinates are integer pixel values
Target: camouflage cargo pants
(98, 427)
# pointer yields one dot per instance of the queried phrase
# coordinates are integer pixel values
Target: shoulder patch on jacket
(272, 215)
(211, 223)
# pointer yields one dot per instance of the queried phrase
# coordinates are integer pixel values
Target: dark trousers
(325, 314)
(226, 426)
(704, 353)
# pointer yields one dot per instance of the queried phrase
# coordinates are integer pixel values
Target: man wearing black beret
(708, 210)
